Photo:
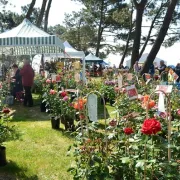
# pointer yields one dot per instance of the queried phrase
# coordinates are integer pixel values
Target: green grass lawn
(40, 153)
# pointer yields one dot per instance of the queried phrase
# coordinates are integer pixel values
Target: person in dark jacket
(177, 71)
(162, 67)
(152, 70)
(17, 80)
(27, 74)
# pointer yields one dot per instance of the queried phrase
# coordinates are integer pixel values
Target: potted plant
(52, 100)
(67, 111)
(7, 133)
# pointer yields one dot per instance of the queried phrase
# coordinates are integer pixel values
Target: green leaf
(152, 161)
(125, 160)
(140, 164)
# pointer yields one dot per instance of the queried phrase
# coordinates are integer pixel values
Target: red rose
(113, 123)
(6, 110)
(151, 126)
(128, 131)
(64, 93)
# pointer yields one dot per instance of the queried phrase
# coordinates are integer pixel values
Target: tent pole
(83, 72)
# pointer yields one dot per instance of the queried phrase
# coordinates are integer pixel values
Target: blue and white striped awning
(27, 39)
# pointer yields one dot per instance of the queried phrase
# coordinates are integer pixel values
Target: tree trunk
(150, 30)
(100, 30)
(160, 38)
(40, 18)
(30, 10)
(128, 39)
(47, 16)
(137, 39)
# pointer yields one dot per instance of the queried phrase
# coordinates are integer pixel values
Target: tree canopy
(107, 26)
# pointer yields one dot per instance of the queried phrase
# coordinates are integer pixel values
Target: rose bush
(130, 147)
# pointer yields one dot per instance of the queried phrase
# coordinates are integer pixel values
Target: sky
(56, 16)
(58, 8)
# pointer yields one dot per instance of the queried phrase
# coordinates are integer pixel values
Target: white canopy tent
(70, 52)
(27, 39)
(73, 53)
(143, 59)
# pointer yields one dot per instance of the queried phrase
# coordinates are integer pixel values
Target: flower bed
(139, 144)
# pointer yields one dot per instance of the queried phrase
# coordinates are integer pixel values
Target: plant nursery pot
(55, 122)
(3, 161)
(102, 103)
(43, 107)
(111, 102)
(68, 123)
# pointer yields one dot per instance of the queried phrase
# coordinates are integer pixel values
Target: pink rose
(66, 98)
(178, 112)
(48, 81)
(52, 92)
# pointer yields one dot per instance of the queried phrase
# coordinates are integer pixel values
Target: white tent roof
(27, 39)
(70, 52)
(73, 53)
(92, 58)
(68, 47)
(25, 29)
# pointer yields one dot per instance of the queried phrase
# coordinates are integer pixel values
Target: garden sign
(92, 107)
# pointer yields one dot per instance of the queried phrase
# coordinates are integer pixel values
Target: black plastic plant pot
(111, 102)
(68, 123)
(55, 122)
(3, 161)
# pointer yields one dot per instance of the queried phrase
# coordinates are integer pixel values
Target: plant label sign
(164, 88)
(53, 77)
(77, 77)
(175, 76)
(120, 81)
(92, 107)
(132, 92)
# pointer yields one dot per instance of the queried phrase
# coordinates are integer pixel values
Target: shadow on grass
(28, 113)
(13, 172)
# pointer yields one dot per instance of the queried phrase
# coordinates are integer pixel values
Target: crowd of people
(163, 70)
